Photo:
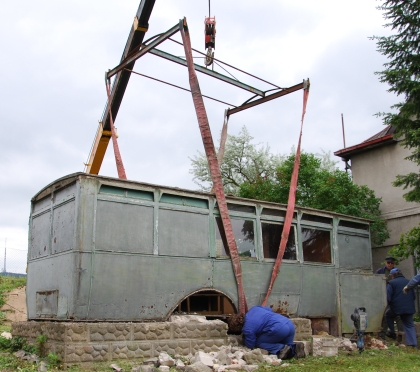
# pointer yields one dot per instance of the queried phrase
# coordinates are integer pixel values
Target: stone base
(324, 346)
(76, 343)
(303, 329)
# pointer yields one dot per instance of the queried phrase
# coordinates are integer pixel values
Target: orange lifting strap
(117, 154)
(214, 167)
(290, 204)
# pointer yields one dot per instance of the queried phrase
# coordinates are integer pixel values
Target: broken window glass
(316, 245)
(243, 230)
(271, 236)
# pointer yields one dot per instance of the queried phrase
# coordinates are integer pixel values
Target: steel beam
(283, 92)
(144, 49)
(207, 71)
(134, 41)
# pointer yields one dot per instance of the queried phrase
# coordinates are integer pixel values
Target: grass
(392, 360)
(7, 284)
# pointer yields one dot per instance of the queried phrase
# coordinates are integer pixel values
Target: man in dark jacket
(273, 332)
(389, 265)
(402, 305)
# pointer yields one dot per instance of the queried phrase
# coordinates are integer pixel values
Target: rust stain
(282, 308)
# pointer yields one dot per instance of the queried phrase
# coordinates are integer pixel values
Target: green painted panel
(362, 290)
(183, 200)
(105, 189)
(318, 295)
(140, 194)
(144, 287)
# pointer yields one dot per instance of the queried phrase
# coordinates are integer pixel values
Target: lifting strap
(213, 165)
(290, 203)
(117, 154)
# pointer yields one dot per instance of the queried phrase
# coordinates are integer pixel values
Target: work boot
(285, 353)
(299, 350)
(390, 334)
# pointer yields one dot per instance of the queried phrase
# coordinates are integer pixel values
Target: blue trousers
(277, 338)
(408, 324)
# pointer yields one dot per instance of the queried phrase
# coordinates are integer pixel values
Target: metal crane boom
(134, 41)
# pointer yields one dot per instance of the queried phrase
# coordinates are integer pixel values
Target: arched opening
(210, 303)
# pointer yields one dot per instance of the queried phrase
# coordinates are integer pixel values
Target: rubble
(375, 344)
(240, 358)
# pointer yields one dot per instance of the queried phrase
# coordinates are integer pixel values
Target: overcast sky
(54, 55)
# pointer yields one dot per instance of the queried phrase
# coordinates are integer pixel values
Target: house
(376, 162)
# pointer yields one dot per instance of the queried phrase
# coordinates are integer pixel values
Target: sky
(54, 55)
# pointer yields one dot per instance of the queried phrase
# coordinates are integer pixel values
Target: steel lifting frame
(122, 74)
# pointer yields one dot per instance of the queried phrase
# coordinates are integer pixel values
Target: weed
(53, 360)
(41, 340)
(17, 343)
(4, 343)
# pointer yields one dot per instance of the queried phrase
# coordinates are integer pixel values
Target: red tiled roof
(385, 136)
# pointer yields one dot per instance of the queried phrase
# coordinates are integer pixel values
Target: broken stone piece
(116, 367)
(223, 358)
(272, 359)
(151, 361)
(198, 367)
(43, 367)
(165, 359)
(7, 335)
(201, 356)
(254, 357)
(179, 364)
(19, 354)
(164, 368)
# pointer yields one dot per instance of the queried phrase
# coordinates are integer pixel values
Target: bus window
(271, 235)
(243, 231)
(316, 245)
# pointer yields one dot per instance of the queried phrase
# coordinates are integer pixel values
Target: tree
(243, 161)
(402, 74)
(320, 188)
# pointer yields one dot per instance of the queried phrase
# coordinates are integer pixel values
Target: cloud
(54, 56)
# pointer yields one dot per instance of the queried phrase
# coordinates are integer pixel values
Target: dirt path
(15, 307)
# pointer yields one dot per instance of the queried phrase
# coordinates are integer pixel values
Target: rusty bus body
(106, 249)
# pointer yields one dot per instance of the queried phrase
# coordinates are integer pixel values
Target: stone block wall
(76, 343)
(90, 342)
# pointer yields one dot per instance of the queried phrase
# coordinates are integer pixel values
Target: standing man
(385, 270)
(400, 305)
(389, 265)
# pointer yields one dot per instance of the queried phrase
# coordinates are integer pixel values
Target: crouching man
(273, 332)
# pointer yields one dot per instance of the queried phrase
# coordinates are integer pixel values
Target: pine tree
(402, 73)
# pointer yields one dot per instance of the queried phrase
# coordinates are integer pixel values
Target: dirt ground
(15, 307)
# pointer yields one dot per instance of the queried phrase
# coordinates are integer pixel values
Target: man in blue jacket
(273, 332)
(402, 305)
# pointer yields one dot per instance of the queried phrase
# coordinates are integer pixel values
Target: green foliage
(402, 74)
(408, 246)
(243, 161)
(17, 343)
(53, 360)
(41, 341)
(320, 188)
(4, 343)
